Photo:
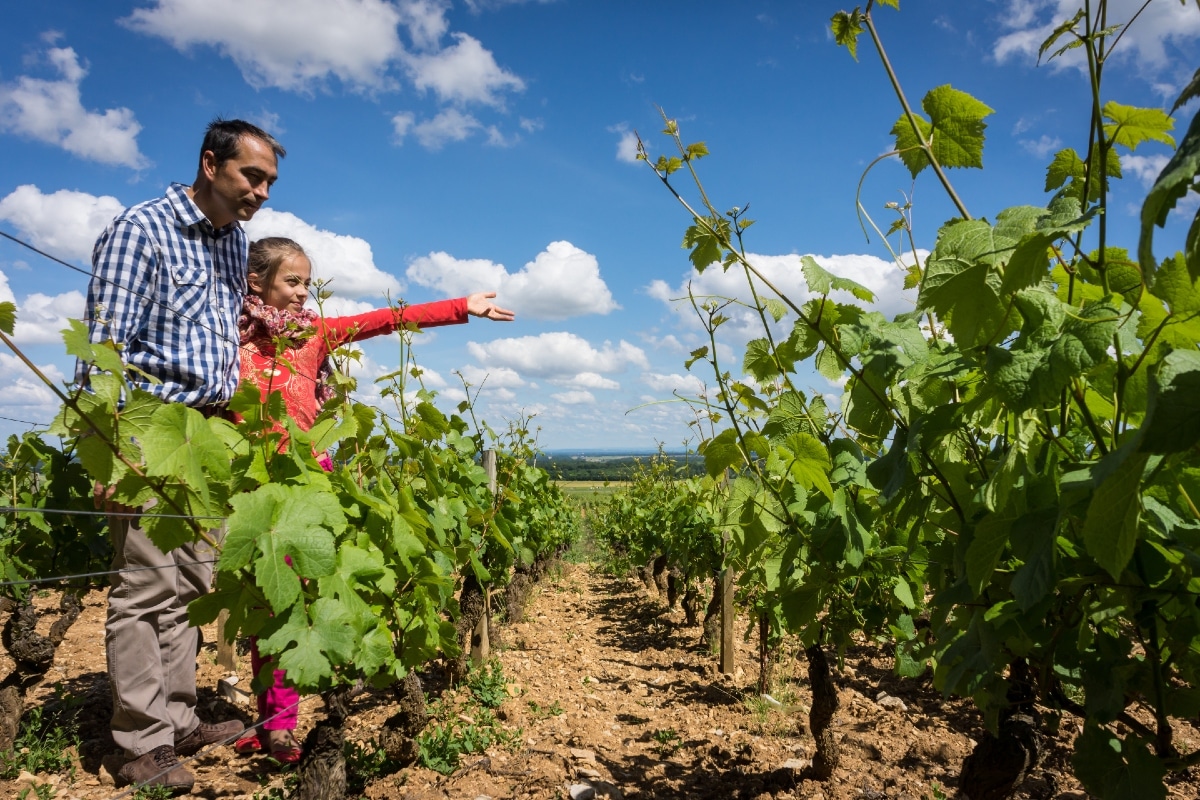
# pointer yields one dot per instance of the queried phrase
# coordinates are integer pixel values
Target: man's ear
(208, 164)
(255, 284)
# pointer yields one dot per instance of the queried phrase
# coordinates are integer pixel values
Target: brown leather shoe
(205, 734)
(159, 767)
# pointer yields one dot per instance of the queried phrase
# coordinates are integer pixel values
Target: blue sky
(439, 147)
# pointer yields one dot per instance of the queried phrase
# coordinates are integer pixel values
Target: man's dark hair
(223, 135)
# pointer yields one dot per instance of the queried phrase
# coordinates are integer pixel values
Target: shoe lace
(164, 756)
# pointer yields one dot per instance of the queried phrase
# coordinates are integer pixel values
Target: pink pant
(278, 704)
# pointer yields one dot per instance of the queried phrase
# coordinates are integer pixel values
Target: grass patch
(464, 723)
(44, 744)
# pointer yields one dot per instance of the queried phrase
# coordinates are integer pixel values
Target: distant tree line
(614, 468)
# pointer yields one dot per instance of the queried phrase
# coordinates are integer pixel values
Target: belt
(216, 410)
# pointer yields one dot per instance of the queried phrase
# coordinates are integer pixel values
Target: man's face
(242, 184)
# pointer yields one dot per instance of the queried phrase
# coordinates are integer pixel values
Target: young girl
(279, 277)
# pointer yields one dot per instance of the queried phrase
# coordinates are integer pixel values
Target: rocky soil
(609, 695)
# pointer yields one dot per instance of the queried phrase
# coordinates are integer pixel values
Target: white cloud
(345, 261)
(464, 72)
(574, 398)
(52, 111)
(687, 385)
(41, 318)
(1145, 168)
(562, 281)
(496, 377)
(558, 355)
(402, 123)
(1042, 146)
(627, 143)
(65, 223)
(670, 342)
(1145, 42)
(531, 125)
(450, 125)
(883, 278)
(425, 21)
(590, 380)
(286, 44)
(339, 306)
(25, 396)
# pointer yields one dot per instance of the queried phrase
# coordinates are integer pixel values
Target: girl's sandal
(248, 744)
(285, 750)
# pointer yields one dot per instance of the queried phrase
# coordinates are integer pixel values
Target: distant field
(590, 490)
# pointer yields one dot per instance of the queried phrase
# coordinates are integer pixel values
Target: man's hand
(102, 498)
(480, 305)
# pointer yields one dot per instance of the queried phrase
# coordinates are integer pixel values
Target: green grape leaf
(1173, 183)
(985, 549)
(1172, 423)
(1189, 92)
(178, 443)
(1114, 769)
(954, 131)
(963, 282)
(1067, 26)
(721, 452)
(1129, 126)
(8, 317)
(908, 143)
(707, 240)
(821, 281)
(313, 647)
(1051, 350)
(808, 462)
(759, 361)
(1110, 529)
(846, 27)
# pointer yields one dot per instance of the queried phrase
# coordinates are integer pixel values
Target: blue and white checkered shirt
(168, 288)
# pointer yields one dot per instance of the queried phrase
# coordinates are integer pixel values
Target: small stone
(771, 701)
(587, 774)
(584, 755)
(797, 764)
(581, 791)
(887, 701)
(484, 797)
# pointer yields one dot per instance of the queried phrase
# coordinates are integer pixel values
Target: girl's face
(289, 289)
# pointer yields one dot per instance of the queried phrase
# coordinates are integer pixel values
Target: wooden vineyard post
(225, 651)
(480, 643)
(727, 621)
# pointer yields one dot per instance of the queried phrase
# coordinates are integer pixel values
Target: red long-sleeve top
(299, 388)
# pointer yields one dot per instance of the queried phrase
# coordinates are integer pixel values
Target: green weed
(37, 791)
(282, 792)
(538, 711)
(487, 684)
(44, 744)
(668, 741)
(364, 763)
(152, 793)
(453, 734)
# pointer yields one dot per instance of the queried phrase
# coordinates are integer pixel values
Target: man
(167, 285)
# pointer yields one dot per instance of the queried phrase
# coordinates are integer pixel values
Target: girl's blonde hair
(267, 254)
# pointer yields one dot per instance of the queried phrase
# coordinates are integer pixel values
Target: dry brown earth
(609, 690)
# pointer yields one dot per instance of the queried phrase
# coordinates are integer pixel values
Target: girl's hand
(480, 305)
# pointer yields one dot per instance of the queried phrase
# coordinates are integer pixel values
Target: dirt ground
(609, 693)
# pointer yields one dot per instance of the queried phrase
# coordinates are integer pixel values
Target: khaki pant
(151, 648)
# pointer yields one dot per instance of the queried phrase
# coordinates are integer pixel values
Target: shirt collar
(190, 214)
